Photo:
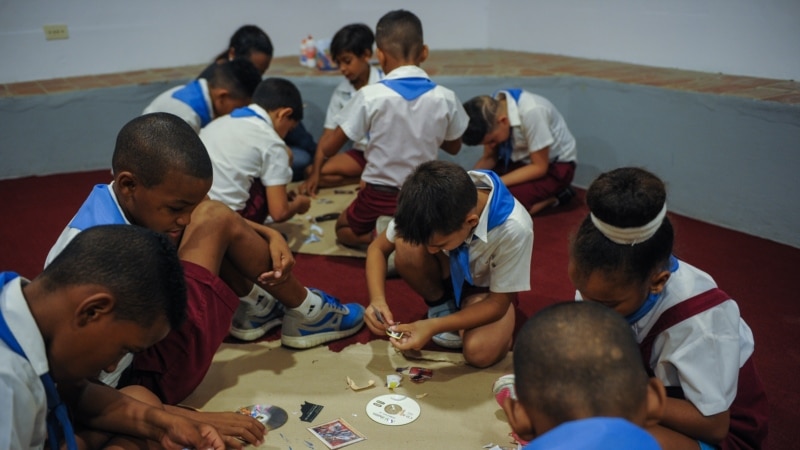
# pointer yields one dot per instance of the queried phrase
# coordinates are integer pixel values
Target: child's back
(406, 118)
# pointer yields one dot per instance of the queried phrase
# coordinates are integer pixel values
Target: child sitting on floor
(351, 49)
(453, 226)
(85, 310)
(250, 159)
(689, 331)
(228, 86)
(526, 141)
(407, 117)
(161, 176)
(579, 382)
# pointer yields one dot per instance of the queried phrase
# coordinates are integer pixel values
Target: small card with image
(336, 434)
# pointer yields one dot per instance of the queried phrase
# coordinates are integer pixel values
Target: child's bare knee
(481, 355)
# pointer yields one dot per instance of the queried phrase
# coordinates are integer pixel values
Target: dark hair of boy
(399, 33)
(356, 38)
(146, 280)
(152, 145)
(625, 197)
(274, 93)
(248, 39)
(482, 113)
(435, 198)
(238, 76)
(579, 359)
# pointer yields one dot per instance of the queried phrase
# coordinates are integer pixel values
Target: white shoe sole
(313, 340)
(251, 334)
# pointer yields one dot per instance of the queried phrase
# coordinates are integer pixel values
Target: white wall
(739, 37)
(742, 37)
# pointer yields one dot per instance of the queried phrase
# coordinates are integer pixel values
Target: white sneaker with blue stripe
(331, 322)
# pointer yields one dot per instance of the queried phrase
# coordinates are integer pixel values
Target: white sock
(255, 294)
(310, 305)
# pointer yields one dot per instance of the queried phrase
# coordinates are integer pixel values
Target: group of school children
(205, 169)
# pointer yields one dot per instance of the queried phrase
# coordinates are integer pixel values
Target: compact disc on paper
(393, 409)
(271, 416)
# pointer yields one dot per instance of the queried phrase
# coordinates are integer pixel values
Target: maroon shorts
(358, 155)
(558, 177)
(255, 208)
(371, 202)
(175, 366)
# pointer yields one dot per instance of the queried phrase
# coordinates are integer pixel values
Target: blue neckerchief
(56, 411)
(98, 209)
(246, 112)
(409, 88)
(506, 147)
(652, 298)
(192, 95)
(500, 207)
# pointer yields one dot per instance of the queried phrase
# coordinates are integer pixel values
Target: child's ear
(656, 401)
(381, 57)
(473, 219)
(94, 307)
(658, 281)
(367, 55)
(518, 419)
(285, 113)
(126, 182)
(231, 54)
(423, 55)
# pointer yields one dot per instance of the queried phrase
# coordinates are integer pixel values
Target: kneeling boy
(452, 226)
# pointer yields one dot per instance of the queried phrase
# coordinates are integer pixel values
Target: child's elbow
(719, 427)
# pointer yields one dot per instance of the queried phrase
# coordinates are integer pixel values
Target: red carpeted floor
(754, 271)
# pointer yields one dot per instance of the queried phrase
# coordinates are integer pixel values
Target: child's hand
(301, 203)
(310, 185)
(183, 433)
(233, 426)
(378, 317)
(415, 335)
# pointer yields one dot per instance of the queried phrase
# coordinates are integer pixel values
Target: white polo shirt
(165, 102)
(536, 124)
(243, 149)
(500, 258)
(402, 134)
(23, 402)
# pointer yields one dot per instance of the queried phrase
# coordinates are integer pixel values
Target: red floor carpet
(756, 272)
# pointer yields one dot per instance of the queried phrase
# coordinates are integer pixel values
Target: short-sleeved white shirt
(702, 354)
(402, 134)
(536, 124)
(342, 95)
(243, 149)
(23, 402)
(165, 102)
(499, 258)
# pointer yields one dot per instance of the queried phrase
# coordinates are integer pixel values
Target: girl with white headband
(690, 332)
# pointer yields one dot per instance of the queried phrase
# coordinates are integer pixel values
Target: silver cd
(393, 409)
(270, 415)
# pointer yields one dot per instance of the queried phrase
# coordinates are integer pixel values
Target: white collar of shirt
(207, 96)
(116, 202)
(23, 326)
(261, 112)
(512, 109)
(406, 72)
(482, 181)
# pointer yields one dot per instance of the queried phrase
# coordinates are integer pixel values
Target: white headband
(633, 235)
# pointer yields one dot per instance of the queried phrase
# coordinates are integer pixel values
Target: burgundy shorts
(255, 208)
(558, 177)
(175, 366)
(371, 202)
(358, 155)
